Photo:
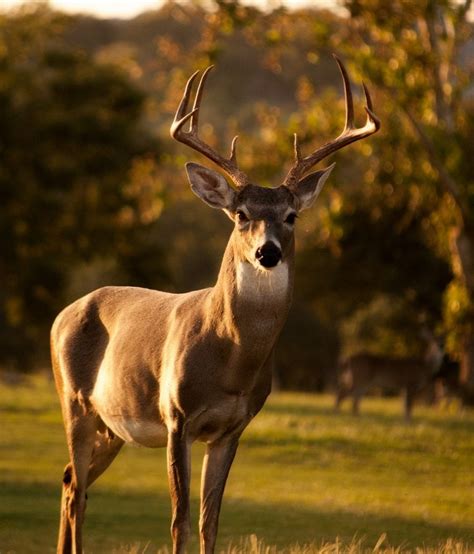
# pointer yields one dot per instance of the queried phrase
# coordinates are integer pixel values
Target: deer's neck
(252, 303)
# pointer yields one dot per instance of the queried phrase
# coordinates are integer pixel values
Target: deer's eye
(291, 218)
(241, 217)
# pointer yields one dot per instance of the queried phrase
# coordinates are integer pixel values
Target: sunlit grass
(252, 545)
(302, 475)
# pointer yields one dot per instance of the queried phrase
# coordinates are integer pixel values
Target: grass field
(302, 475)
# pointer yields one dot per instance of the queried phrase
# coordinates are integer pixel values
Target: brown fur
(160, 369)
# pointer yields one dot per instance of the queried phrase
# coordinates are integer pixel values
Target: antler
(191, 138)
(349, 134)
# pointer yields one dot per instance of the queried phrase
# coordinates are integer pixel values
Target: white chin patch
(260, 283)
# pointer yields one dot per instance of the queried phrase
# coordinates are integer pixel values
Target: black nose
(268, 255)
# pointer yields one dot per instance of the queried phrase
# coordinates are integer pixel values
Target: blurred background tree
(89, 196)
(70, 139)
(419, 55)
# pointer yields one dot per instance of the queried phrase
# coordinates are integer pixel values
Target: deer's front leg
(179, 466)
(217, 462)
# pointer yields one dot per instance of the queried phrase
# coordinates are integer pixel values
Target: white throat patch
(262, 284)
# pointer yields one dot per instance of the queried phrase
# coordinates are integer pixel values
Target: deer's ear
(309, 187)
(210, 186)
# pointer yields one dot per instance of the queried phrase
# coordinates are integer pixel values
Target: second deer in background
(360, 373)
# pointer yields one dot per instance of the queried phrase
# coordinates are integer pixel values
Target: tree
(416, 54)
(70, 135)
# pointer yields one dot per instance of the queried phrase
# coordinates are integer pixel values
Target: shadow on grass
(29, 519)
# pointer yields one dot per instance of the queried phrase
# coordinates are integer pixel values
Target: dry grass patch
(253, 545)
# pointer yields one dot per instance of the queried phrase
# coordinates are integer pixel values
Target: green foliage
(414, 53)
(302, 475)
(458, 310)
(308, 346)
(70, 129)
(386, 326)
(91, 205)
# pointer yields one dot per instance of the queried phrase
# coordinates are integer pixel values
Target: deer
(364, 371)
(140, 366)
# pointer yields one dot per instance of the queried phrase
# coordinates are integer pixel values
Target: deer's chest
(213, 402)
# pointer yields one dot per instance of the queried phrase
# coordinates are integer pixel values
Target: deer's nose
(268, 255)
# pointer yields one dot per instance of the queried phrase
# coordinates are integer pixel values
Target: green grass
(302, 475)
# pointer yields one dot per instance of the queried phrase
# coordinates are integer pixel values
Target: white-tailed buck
(159, 369)
(362, 372)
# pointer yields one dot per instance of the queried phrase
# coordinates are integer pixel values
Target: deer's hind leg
(78, 343)
(408, 401)
(357, 395)
(105, 449)
(81, 431)
(341, 394)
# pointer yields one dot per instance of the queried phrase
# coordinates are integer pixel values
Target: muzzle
(268, 255)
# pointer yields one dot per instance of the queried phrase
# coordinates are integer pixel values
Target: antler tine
(233, 153)
(349, 134)
(296, 147)
(368, 99)
(191, 137)
(347, 94)
(198, 98)
(369, 109)
(181, 116)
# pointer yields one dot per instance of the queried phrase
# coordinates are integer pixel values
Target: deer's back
(115, 318)
(373, 370)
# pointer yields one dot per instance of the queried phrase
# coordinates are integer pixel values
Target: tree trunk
(463, 265)
(466, 377)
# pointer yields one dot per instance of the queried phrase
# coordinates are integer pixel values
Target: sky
(130, 8)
